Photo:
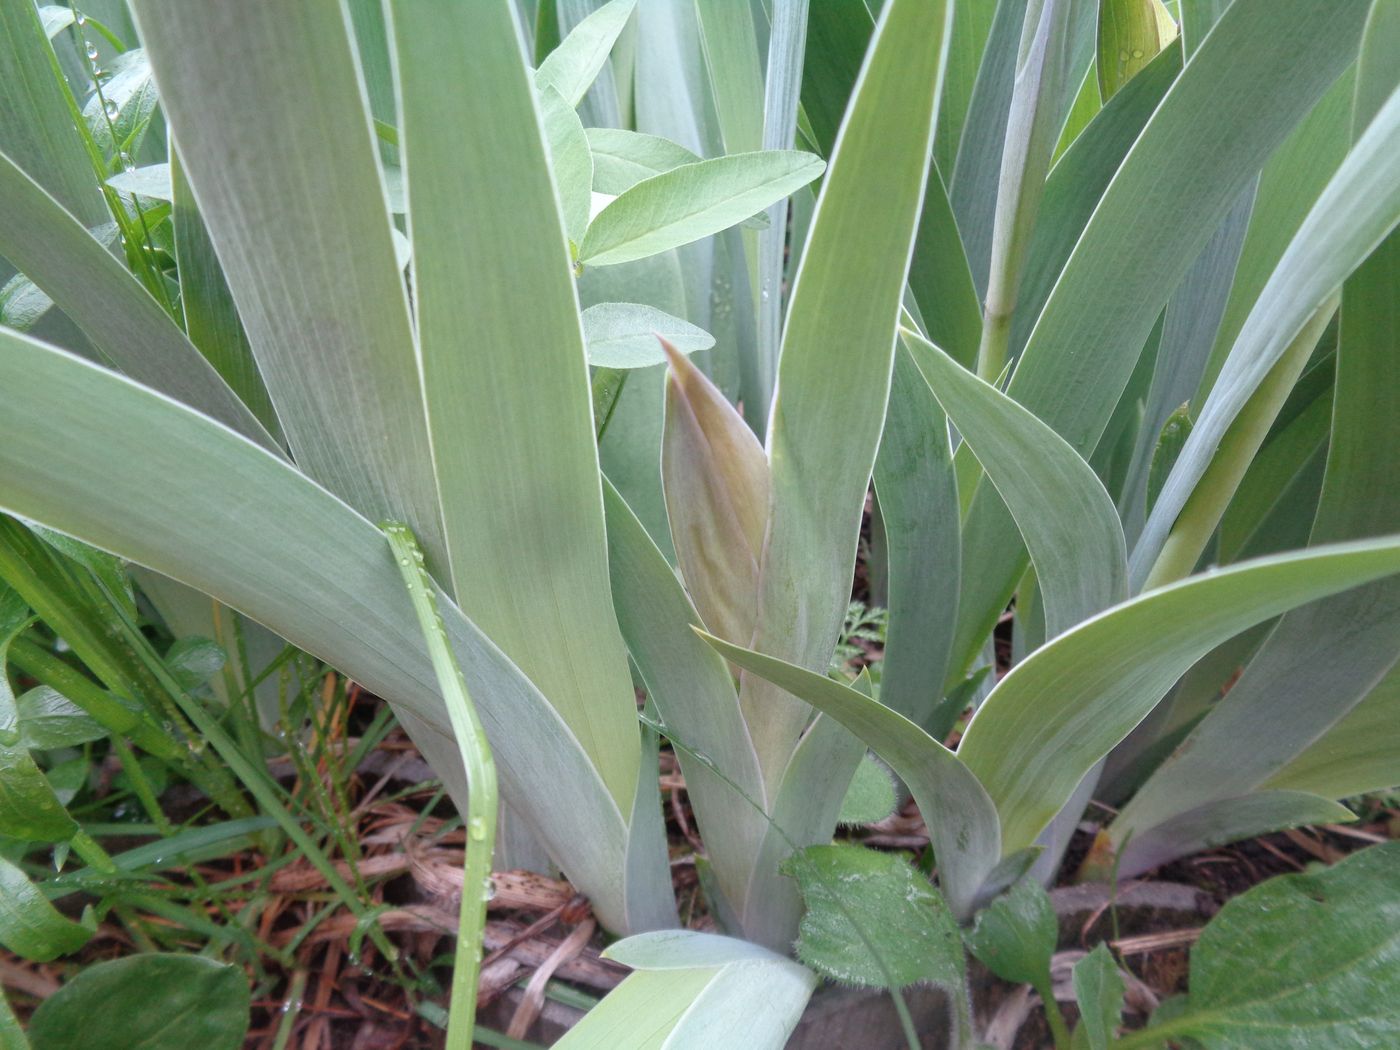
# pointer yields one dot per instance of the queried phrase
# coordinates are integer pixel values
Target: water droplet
(403, 561)
(476, 828)
(80, 18)
(488, 890)
(125, 160)
(1137, 52)
(1122, 56)
(110, 107)
(90, 49)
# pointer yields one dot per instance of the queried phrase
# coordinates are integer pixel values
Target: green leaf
(491, 247)
(146, 1002)
(334, 343)
(1131, 33)
(918, 502)
(193, 661)
(114, 311)
(694, 693)
(621, 159)
(838, 355)
(132, 91)
(1066, 705)
(211, 318)
(572, 67)
(1260, 70)
(29, 809)
(1077, 182)
(1169, 443)
(1355, 756)
(36, 122)
(1068, 521)
(692, 991)
(1098, 989)
(48, 719)
(873, 920)
(1341, 648)
(626, 335)
(1219, 822)
(939, 278)
(570, 160)
(29, 925)
(1016, 934)
(153, 180)
(1297, 962)
(961, 819)
(693, 201)
(871, 795)
(1033, 123)
(782, 88)
(12, 1035)
(297, 560)
(1357, 209)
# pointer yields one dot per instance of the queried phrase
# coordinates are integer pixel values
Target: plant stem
(906, 1019)
(481, 786)
(1058, 1029)
(1206, 505)
(991, 351)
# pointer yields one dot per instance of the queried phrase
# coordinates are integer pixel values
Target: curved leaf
(693, 991)
(838, 356)
(1222, 821)
(961, 819)
(88, 283)
(146, 1002)
(1062, 709)
(76, 440)
(1296, 962)
(693, 201)
(1067, 520)
(29, 925)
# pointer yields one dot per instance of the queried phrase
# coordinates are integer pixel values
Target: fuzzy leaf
(873, 920)
(1016, 934)
(871, 795)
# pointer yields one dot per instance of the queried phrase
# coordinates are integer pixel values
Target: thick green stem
(991, 351)
(481, 786)
(1207, 503)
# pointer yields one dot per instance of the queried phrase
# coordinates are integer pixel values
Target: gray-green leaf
(694, 201)
(624, 335)
(621, 159)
